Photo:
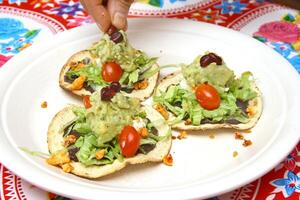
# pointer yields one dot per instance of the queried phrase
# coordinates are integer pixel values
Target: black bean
(70, 79)
(88, 87)
(127, 89)
(116, 86)
(107, 93)
(209, 121)
(147, 148)
(104, 2)
(72, 153)
(217, 59)
(210, 58)
(243, 105)
(154, 130)
(232, 121)
(116, 37)
(75, 133)
(112, 29)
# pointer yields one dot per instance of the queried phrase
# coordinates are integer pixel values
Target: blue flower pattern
(14, 36)
(69, 9)
(288, 52)
(11, 28)
(289, 185)
(173, 1)
(231, 7)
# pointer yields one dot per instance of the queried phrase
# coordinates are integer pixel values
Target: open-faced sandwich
(112, 59)
(110, 132)
(207, 95)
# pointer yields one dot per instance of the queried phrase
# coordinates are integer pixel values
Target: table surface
(22, 22)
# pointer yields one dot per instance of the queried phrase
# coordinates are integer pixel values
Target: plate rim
(188, 194)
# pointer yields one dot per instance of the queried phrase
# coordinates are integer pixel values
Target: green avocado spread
(107, 118)
(217, 75)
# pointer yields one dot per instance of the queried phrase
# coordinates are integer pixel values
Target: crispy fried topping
(168, 160)
(70, 139)
(182, 135)
(248, 131)
(141, 85)
(44, 104)
(59, 158)
(173, 137)
(67, 167)
(251, 111)
(162, 111)
(238, 136)
(235, 154)
(143, 132)
(100, 154)
(211, 136)
(76, 65)
(78, 83)
(247, 143)
(188, 122)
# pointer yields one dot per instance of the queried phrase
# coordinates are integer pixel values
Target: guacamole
(107, 118)
(217, 75)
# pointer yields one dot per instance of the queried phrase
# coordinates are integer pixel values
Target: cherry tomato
(129, 141)
(86, 101)
(111, 72)
(208, 97)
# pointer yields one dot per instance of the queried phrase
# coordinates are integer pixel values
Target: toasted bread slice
(55, 143)
(254, 105)
(141, 94)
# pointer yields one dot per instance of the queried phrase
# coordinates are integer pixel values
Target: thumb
(118, 10)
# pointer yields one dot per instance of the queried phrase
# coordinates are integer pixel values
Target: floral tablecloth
(23, 22)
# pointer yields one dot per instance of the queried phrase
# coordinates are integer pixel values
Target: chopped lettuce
(241, 88)
(88, 148)
(91, 72)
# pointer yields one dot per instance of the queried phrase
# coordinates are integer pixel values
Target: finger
(99, 13)
(118, 10)
(83, 4)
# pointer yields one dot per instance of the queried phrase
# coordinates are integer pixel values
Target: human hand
(108, 12)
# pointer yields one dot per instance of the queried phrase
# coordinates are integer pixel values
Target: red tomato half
(208, 97)
(86, 101)
(111, 72)
(129, 141)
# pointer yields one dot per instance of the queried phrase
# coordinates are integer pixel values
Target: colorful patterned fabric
(22, 22)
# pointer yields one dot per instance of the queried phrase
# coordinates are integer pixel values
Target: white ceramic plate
(203, 167)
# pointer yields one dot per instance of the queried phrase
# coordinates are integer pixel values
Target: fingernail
(119, 20)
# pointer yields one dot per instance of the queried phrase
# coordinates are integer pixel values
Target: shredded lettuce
(241, 88)
(35, 153)
(80, 113)
(83, 128)
(91, 72)
(88, 148)
(133, 77)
